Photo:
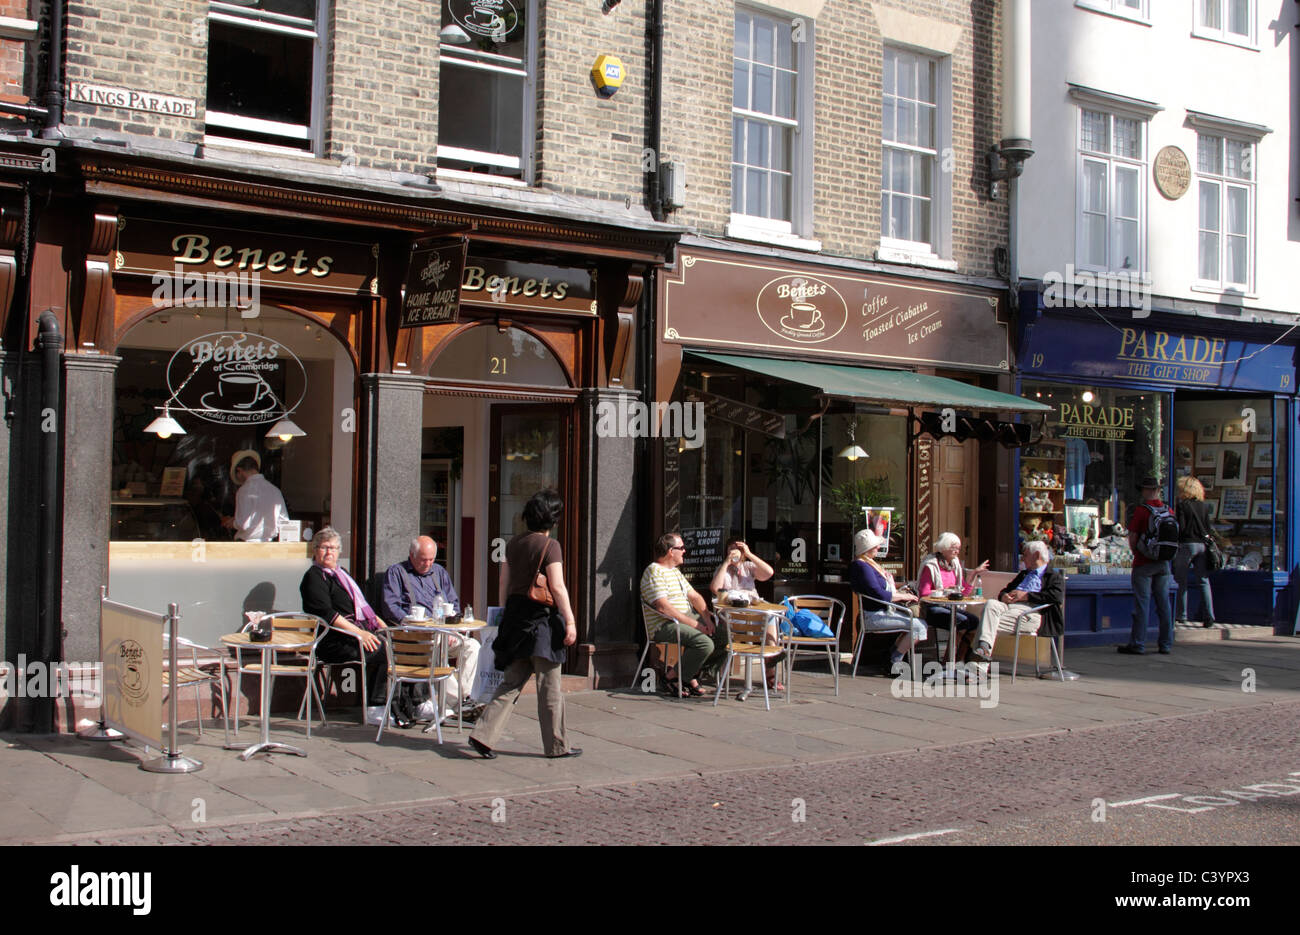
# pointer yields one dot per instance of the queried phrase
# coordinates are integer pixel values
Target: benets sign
(236, 378)
(802, 308)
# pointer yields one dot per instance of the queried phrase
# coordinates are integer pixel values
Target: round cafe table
(463, 628)
(281, 641)
(774, 612)
(953, 606)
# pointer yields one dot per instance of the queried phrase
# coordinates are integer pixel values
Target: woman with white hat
(877, 585)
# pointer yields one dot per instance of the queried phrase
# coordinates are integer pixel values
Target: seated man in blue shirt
(420, 580)
(1037, 584)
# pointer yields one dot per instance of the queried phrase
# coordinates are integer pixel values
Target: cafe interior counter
(214, 583)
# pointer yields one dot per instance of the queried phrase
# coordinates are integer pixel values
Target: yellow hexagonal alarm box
(607, 74)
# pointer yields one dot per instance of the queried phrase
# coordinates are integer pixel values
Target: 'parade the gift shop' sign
(1102, 423)
(730, 301)
(1150, 355)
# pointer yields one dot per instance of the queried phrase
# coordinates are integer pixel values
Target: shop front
(1160, 395)
(797, 417)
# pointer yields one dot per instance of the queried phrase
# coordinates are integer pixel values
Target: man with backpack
(1153, 536)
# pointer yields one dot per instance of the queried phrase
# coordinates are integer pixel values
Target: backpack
(1159, 541)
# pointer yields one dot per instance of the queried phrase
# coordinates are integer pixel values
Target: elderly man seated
(1037, 584)
(420, 580)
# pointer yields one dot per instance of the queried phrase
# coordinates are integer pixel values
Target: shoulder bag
(1214, 560)
(540, 591)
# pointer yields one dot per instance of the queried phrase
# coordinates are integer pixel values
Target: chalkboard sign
(703, 555)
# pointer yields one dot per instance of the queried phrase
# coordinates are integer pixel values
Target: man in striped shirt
(667, 600)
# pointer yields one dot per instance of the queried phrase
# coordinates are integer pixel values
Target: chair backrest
(830, 609)
(410, 646)
(744, 627)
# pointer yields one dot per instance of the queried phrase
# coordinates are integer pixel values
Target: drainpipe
(654, 105)
(54, 75)
(49, 620)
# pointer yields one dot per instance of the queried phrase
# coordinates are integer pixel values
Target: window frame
(314, 132)
(1249, 40)
(800, 223)
(454, 55)
(1225, 135)
(1118, 9)
(939, 247)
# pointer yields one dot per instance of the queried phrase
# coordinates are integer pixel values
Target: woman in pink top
(942, 571)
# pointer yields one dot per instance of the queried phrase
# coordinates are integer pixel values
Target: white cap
(865, 541)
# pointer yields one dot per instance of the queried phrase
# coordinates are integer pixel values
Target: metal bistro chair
(649, 640)
(191, 675)
(904, 626)
(328, 677)
(412, 655)
(303, 665)
(831, 610)
(1051, 641)
(747, 638)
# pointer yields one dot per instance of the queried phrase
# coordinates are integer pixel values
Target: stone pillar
(390, 470)
(88, 418)
(609, 615)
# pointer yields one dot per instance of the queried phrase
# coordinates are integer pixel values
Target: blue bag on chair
(804, 622)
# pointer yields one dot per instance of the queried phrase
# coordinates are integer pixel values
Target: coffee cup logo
(496, 19)
(802, 309)
(235, 378)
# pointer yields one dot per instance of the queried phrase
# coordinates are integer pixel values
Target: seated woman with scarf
(875, 584)
(330, 593)
(942, 571)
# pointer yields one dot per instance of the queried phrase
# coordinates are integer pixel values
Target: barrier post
(172, 760)
(100, 730)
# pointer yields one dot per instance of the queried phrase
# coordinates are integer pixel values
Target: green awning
(891, 387)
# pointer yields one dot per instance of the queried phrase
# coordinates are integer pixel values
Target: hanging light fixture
(165, 426)
(285, 430)
(853, 451)
(452, 34)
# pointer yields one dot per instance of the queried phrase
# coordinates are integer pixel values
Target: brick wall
(383, 80)
(159, 46)
(847, 115)
(13, 53)
(589, 145)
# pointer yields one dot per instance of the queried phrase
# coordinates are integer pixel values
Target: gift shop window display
(1078, 482)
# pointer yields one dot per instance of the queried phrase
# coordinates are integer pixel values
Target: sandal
(693, 690)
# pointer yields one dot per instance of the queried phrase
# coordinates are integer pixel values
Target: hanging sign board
(432, 293)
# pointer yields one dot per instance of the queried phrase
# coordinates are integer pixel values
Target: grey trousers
(550, 704)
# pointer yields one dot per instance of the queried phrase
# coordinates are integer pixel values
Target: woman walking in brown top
(533, 635)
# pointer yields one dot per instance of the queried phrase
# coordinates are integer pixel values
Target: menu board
(703, 555)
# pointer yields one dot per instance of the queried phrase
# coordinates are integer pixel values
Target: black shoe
(1164, 652)
(1210, 623)
(483, 749)
(572, 751)
(1128, 649)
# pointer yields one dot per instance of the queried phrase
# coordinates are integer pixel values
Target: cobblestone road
(976, 787)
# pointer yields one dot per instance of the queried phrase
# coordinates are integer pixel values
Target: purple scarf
(361, 610)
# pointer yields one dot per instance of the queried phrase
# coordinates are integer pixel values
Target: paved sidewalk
(60, 788)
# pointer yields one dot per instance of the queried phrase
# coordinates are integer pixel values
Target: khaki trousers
(550, 704)
(1001, 617)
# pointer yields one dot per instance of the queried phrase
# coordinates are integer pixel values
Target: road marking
(912, 837)
(1150, 798)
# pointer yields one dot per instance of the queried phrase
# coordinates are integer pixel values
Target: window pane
(780, 196)
(762, 100)
(1209, 154)
(503, 32)
(743, 21)
(1207, 265)
(482, 111)
(1128, 138)
(891, 68)
(899, 218)
(784, 95)
(1239, 160)
(923, 174)
(737, 189)
(888, 128)
(925, 82)
(784, 46)
(921, 220)
(756, 154)
(737, 139)
(1210, 14)
(1093, 136)
(782, 138)
(1209, 206)
(1238, 210)
(256, 73)
(1094, 187)
(907, 75)
(906, 126)
(1239, 17)
(764, 40)
(902, 171)
(755, 192)
(1126, 245)
(925, 126)
(740, 85)
(1127, 197)
(1094, 240)
(1235, 271)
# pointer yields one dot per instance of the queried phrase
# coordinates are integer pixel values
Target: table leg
(266, 746)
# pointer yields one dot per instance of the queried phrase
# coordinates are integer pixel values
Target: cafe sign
(235, 378)
(147, 247)
(726, 301)
(494, 19)
(432, 293)
(529, 287)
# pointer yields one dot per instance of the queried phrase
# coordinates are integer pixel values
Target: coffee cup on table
(419, 612)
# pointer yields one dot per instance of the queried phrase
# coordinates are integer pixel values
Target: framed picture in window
(1264, 484)
(1207, 456)
(1234, 503)
(1207, 481)
(1231, 469)
(173, 482)
(1212, 509)
(1263, 509)
(1234, 431)
(1262, 455)
(1209, 432)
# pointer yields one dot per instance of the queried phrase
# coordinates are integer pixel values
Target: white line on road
(912, 837)
(1150, 798)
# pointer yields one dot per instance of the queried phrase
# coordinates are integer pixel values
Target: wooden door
(956, 490)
